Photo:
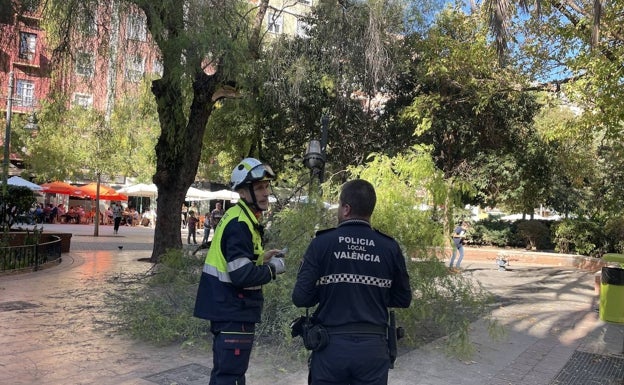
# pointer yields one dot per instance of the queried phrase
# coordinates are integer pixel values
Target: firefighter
(236, 267)
(354, 274)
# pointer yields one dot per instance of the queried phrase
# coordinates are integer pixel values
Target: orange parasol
(61, 188)
(106, 193)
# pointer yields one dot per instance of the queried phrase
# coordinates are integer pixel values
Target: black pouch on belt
(315, 337)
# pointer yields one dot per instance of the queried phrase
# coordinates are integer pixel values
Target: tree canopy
(203, 47)
(387, 75)
(77, 143)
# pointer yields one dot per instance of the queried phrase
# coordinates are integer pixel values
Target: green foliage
(491, 232)
(458, 102)
(134, 131)
(614, 232)
(78, 143)
(561, 35)
(163, 314)
(535, 233)
(201, 47)
(586, 176)
(17, 201)
(443, 303)
(584, 118)
(405, 183)
(292, 227)
(228, 138)
(338, 71)
(581, 236)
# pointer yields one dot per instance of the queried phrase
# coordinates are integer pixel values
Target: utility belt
(357, 328)
(316, 337)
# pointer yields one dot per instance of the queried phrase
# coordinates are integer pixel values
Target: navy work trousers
(351, 359)
(231, 349)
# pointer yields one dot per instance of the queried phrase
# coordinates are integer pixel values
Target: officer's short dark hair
(360, 195)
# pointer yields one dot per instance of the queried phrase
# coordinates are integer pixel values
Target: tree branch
(561, 6)
(254, 41)
(552, 86)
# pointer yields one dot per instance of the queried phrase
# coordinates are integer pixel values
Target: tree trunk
(113, 57)
(178, 152)
(167, 233)
(179, 146)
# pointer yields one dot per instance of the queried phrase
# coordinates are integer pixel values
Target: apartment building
(286, 17)
(23, 53)
(96, 79)
(90, 77)
(113, 54)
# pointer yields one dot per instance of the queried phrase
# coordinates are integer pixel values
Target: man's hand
(274, 253)
(275, 259)
(278, 265)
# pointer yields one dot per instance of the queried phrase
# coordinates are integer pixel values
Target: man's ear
(346, 210)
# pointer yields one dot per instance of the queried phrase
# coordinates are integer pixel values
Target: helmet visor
(261, 172)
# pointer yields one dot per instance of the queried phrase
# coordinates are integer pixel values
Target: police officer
(236, 267)
(354, 273)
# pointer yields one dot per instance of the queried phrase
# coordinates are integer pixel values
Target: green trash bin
(612, 294)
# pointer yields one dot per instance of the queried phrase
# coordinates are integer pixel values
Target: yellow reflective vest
(230, 287)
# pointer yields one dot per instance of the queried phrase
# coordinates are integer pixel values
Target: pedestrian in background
(117, 214)
(184, 215)
(192, 226)
(206, 228)
(459, 235)
(354, 273)
(216, 215)
(60, 213)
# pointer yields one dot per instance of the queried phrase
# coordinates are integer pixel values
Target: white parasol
(18, 181)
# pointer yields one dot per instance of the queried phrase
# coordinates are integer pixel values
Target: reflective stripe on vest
(215, 264)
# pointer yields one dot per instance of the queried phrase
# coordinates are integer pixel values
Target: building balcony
(30, 19)
(25, 63)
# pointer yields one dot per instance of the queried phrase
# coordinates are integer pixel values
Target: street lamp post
(7, 136)
(314, 158)
(324, 124)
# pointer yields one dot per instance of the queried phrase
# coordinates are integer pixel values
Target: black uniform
(354, 273)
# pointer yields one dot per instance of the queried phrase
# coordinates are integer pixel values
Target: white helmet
(250, 170)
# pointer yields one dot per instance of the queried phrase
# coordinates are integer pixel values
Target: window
(88, 24)
(275, 22)
(24, 93)
(135, 66)
(136, 29)
(83, 100)
(85, 64)
(28, 44)
(302, 28)
(31, 5)
(157, 67)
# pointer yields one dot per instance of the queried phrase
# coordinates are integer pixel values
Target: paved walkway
(54, 330)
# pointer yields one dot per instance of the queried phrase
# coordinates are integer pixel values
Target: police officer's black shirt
(354, 273)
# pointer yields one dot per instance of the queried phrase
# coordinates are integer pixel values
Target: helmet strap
(254, 202)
